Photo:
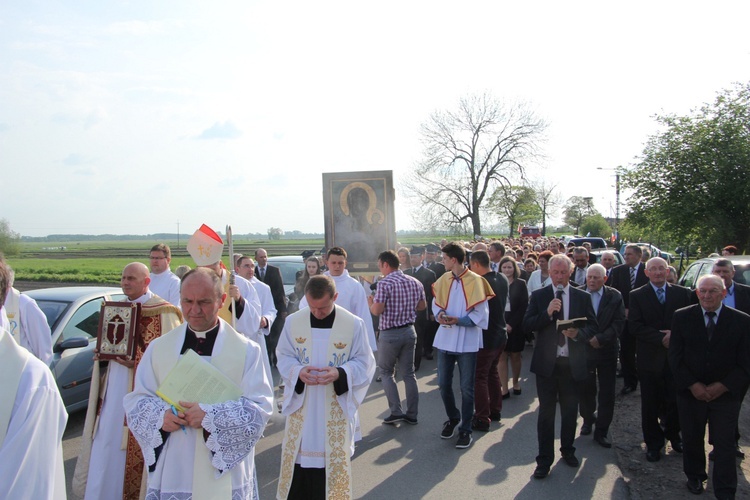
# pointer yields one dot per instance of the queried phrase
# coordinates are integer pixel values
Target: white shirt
(167, 286)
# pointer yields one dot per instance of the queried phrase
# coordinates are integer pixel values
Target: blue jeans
(467, 365)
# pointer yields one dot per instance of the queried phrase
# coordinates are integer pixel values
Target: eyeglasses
(157, 258)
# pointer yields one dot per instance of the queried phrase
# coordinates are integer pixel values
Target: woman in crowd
(515, 309)
(312, 268)
(540, 278)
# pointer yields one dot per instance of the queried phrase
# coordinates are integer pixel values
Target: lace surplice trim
(235, 427)
(144, 422)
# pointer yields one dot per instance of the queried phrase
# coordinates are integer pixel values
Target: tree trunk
(475, 224)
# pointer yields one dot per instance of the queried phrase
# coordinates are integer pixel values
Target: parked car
(595, 257)
(655, 251)
(596, 243)
(700, 267)
(73, 316)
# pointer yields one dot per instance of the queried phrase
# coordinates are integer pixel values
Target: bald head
(134, 280)
(657, 271)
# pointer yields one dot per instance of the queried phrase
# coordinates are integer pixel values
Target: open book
(193, 379)
(564, 324)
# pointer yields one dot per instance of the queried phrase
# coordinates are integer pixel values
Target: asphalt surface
(405, 461)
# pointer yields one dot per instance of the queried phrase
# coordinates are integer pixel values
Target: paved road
(405, 461)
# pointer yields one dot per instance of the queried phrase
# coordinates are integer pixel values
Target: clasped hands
(444, 319)
(312, 375)
(703, 392)
(191, 417)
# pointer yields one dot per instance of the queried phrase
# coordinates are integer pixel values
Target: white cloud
(226, 130)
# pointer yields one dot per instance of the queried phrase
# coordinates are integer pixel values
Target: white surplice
(249, 322)
(359, 371)
(28, 325)
(268, 311)
(235, 426)
(167, 286)
(353, 298)
(31, 458)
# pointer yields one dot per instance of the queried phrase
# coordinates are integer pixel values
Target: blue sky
(126, 117)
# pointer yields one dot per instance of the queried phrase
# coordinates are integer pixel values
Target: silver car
(73, 316)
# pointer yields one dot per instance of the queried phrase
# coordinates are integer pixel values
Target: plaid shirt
(400, 294)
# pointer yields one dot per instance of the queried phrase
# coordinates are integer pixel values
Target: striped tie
(632, 278)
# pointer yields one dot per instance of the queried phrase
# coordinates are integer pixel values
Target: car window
(84, 322)
(289, 271)
(691, 275)
(742, 274)
(52, 309)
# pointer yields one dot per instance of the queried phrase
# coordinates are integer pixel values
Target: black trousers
(722, 415)
(604, 372)
(563, 388)
(627, 358)
(307, 484)
(658, 399)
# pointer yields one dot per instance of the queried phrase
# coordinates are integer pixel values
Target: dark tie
(711, 325)
(560, 315)
(632, 278)
(262, 273)
(660, 295)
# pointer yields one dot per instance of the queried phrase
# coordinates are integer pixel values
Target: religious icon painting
(118, 330)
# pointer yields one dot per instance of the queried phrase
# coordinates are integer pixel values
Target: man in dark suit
(581, 261)
(650, 322)
(271, 276)
(421, 323)
(559, 360)
(609, 261)
(737, 297)
(601, 356)
(624, 278)
(709, 354)
(488, 402)
(432, 262)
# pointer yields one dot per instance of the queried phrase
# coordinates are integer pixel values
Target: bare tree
(548, 201)
(468, 154)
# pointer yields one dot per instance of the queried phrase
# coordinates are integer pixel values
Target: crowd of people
(473, 306)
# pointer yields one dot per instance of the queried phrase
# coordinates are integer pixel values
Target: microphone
(558, 295)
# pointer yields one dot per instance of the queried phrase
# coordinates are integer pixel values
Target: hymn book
(193, 379)
(564, 324)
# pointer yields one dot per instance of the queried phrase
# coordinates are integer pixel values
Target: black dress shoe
(653, 455)
(603, 441)
(541, 472)
(695, 486)
(495, 416)
(677, 446)
(627, 390)
(516, 392)
(571, 460)
(506, 395)
(585, 429)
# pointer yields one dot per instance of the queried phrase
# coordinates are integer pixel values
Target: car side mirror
(75, 342)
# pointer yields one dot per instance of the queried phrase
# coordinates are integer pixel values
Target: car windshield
(53, 309)
(289, 270)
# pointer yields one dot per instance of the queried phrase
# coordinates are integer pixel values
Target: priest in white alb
(246, 268)
(326, 364)
(352, 296)
(164, 282)
(32, 421)
(205, 451)
(27, 323)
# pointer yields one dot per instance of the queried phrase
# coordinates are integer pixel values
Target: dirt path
(663, 479)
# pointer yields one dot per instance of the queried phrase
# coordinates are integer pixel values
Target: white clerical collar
(202, 335)
(345, 274)
(143, 298)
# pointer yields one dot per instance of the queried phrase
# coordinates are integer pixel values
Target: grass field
(103, 261)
